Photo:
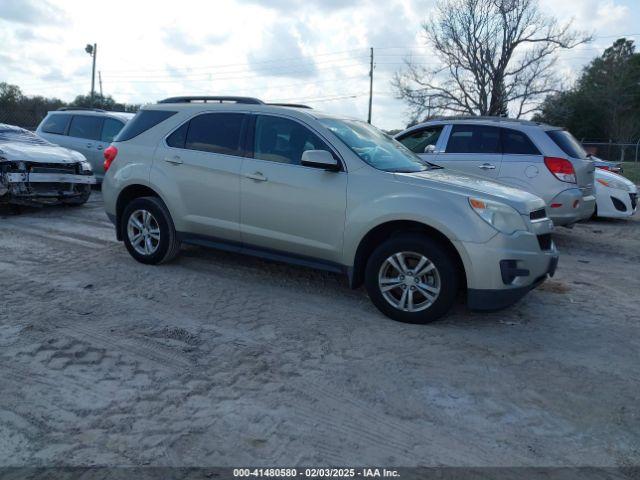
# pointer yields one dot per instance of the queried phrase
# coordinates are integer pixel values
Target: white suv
(538, 158)
(333, 193)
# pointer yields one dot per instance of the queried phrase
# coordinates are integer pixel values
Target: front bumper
(491, 300)
(49, 178)
(26, 188)
(570, 206)
(505, 268)
(616, 203)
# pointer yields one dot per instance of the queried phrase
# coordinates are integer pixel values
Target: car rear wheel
(412, 279)
(148, 231)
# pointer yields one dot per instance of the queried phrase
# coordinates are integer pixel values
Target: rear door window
(515, 142)
(418, 141)
(85, 126)
(56, 123)
(216, 133)
(110, 129)
(474, 139)
(567, 143)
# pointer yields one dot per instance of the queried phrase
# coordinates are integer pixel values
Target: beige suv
(292, 184)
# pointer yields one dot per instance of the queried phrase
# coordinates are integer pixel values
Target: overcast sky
(314, 52)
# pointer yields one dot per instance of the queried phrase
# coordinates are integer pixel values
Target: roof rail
(248, 100)
(86, 109)
(295, 105)
(488, 118)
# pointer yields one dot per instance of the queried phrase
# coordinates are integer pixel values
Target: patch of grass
(632, 171)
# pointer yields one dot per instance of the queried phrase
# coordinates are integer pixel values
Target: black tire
(81, 200)
(438, 255)
(168, 245)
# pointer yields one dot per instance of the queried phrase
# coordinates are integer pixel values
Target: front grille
(544, 241)
(42, 187)
(538, 214)
(634, 200)
(53, 168)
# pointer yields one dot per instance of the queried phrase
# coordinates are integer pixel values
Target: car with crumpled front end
(34, 172)
(296, 185)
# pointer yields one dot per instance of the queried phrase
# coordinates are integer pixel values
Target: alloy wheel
(143, 232)
(409, 281)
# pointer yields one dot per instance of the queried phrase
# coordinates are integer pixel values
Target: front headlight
(617, 184)
(85, 166)
(502, 217)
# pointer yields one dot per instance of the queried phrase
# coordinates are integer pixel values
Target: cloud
(30, 12)
(281, 43)
(54, 75)
(295, 5)
(179, 40)
(28, 35)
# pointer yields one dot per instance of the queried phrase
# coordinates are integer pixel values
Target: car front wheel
(148, 231)
(412, 279)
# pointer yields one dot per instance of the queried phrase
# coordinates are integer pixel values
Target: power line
(215, 77)
(275, 60)
(242, 68)
(321, 99)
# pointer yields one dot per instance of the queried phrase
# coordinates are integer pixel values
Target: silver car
(296, 185)
(541, 159)
(88, 131)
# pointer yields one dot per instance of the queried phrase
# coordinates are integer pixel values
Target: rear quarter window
(567, 143)
(56, 123)
(143, 121)
(110, 129)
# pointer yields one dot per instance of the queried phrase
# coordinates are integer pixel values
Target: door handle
(89, 145)
(257, 176)
(99, 147)
(487, 166)
(175, 160)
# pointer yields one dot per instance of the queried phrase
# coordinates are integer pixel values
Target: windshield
(20, 135)
(374, 147)
(567, 143)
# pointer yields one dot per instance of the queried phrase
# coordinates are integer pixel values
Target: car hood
(15, 151)
(523, 202)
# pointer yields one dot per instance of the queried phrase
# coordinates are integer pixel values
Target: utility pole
(93, 51)
(100, 79)
(370, 86)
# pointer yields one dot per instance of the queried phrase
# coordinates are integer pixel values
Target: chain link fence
(615, 152)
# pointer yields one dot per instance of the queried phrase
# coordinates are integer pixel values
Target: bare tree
(496, 57)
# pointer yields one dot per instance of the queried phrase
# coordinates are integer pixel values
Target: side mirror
(320, 159)
(430, 148)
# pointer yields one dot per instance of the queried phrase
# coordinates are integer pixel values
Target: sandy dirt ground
(224, 360)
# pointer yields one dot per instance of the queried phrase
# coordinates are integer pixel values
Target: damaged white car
(34, 172)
